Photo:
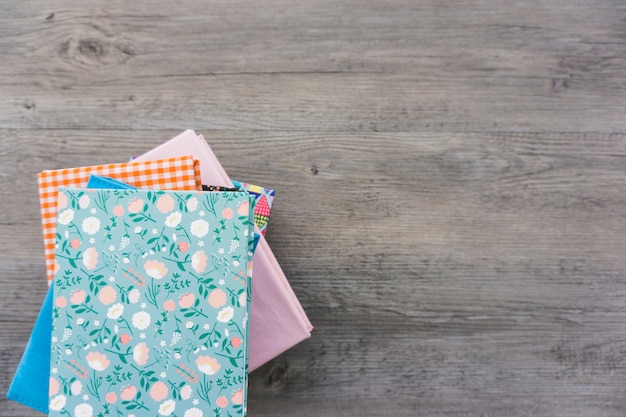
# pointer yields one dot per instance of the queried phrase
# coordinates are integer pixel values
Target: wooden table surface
(450, 176)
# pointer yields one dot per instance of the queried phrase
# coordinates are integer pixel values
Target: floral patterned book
(151, 303)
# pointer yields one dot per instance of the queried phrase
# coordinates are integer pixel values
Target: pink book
(277, 320)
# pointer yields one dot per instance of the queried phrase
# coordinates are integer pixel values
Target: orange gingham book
(181, 173)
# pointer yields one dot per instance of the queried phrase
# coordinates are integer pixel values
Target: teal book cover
(151, 301)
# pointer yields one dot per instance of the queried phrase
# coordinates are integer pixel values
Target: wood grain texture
(450, 183)
(326, 65)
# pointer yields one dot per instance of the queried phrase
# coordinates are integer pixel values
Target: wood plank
(322, 65)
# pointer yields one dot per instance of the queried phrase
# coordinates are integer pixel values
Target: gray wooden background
(450, 176)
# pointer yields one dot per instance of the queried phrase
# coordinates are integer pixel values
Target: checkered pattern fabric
(181, 173)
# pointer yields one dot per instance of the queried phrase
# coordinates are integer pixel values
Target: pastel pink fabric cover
(277, 320)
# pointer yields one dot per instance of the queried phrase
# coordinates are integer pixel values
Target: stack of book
(164, 292)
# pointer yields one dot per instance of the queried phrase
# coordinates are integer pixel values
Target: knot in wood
(91, 48)
(94, 52)
(275, 375)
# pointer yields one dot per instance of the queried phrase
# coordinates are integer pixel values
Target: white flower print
(133, 295)
(115, 311)
(83, 410)
(192, 204)
(76, 387)
(193, 412)
(185, 392)
(199, 228)
(83, 202)
(141, 320)
(167, 407)
(173, 219)
(66, 216)
(225, 314)
(58, 402)
(91, 225)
